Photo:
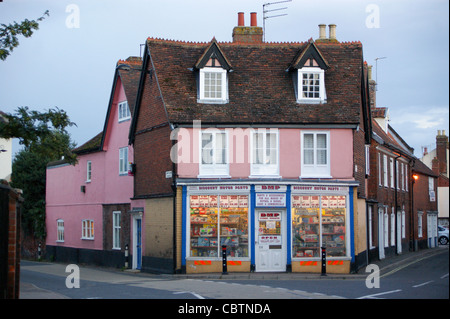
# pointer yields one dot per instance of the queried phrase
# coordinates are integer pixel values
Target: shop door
(270, 246)
(137, 237)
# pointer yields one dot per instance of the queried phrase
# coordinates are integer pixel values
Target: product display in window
(333, 225)
(312, 230)
(218, 220)
(305, 226)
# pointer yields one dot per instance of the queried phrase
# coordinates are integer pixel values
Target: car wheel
(443, 240)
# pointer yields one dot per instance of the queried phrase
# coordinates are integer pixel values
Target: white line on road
(189, 292)
(445, 276)
(379, 294)
(423, 284)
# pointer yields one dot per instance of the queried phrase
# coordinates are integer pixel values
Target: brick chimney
(244, 34)
(441, 152)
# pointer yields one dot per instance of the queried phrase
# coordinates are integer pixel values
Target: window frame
(122, 107)
(116, 229)
(213, 169)
(265, 170)
(123, 161)
(299, 87)
(88, 171)
(224, 86)
(87, 229)
(60, 230)
(315, 170)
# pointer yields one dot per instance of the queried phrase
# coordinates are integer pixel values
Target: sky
(70, 61)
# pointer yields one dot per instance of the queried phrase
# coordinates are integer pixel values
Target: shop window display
(218, 220)
(312, 230)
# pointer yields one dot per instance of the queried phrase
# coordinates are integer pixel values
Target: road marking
(445, 276)
(379, 294)
(189, 292)
(423, 284)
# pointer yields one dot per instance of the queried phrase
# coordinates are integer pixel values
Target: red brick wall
(10, 211)
(152, 142)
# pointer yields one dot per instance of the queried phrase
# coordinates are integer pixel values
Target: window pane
(271, 151)
(333, 225)
(305, 227)
(258, 154)
(308, 140)
(221, 145)
(207, 144)
(205, 237)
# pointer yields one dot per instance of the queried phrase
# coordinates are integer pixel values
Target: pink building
(88, 204)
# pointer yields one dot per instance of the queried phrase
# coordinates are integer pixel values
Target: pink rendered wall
(341, 153)
(64, 198)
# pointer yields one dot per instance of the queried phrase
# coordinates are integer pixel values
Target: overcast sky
(69, 62)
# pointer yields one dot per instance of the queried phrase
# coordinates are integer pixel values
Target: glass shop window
(218, 220)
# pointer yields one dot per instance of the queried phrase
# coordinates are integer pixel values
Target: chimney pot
(241, 19)
(322, 31)
(332, 28)
(253, 22)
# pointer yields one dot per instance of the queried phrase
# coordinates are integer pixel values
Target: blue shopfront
(267, 227)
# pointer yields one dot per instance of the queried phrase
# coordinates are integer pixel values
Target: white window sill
(213, 176)
(265, 176)
(311, 101)
(316, 176)
(212, 101)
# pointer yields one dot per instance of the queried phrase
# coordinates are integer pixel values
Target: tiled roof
(261, 90)
(130, 71)
(93, 145)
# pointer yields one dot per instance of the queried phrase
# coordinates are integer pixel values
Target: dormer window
(309, 75)
(311, 85)
(213, 85)
(212, 80)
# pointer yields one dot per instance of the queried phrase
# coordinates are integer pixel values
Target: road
(422, 278)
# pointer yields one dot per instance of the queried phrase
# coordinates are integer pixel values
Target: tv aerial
(272, 16)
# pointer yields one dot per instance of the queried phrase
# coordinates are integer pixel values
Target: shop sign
(270, 240)
(318, 188)
(265, 216)
(219, 188)
(270, 199)
(270, 188)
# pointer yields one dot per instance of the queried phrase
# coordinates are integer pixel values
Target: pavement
(387, 266)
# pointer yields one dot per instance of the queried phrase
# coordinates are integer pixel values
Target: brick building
(244, 144)
(399, 207)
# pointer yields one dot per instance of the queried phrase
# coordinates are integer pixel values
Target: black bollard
(324, 262)
(224, 260)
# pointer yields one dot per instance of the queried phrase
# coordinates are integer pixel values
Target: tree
(34, 128)
(29, 174)
(45, 139)
(9, 33)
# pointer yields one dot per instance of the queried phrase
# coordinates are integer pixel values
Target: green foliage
(39, 130)
(9, 33)
(29, 174)
(45, 139)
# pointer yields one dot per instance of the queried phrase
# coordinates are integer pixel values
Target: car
(443, 235)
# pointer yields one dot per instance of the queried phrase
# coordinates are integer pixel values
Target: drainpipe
(395, 205)
(412, 217)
